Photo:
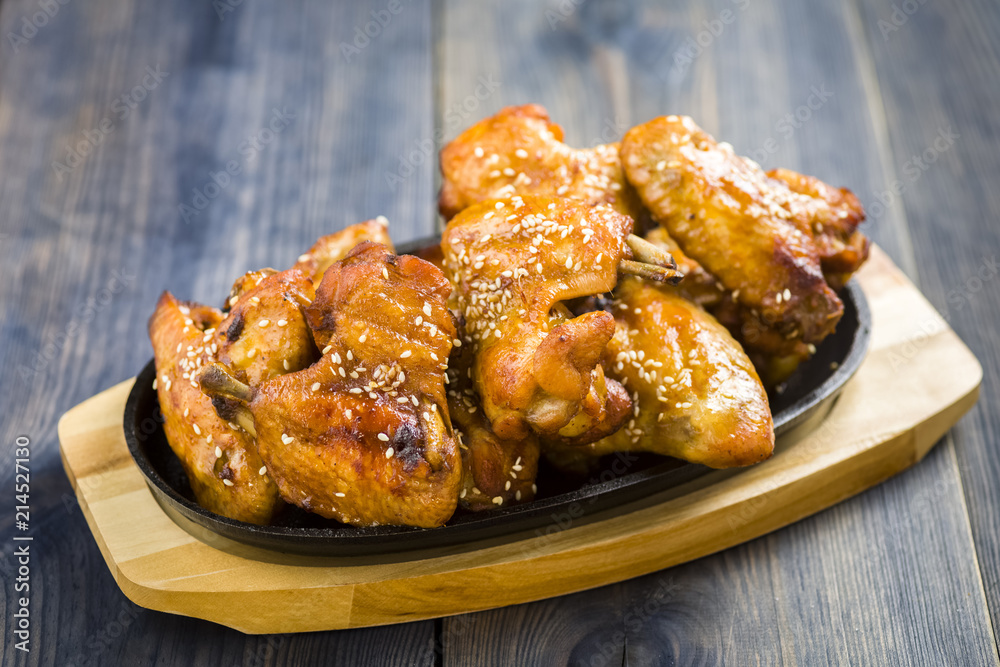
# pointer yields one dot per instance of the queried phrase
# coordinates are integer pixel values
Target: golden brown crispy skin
(696, 396)
(183, 335)
(535, 367)
(334, 247)
(363, 435)
(774, 355)
(265, 333)
(496, 472)
(831, 215)
(520, 151)
(729, 216)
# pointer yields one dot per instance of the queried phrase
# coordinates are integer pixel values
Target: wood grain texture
(871, 580)
(877, 428)
(635, 60)
(72, 325)
(952, 205)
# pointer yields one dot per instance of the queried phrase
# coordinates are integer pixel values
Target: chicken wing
(751, 231)
(831, 215)
(363, 435)
(334, 247)
(534, 366)
(695, 394)
(265, 333)
(220, 459)
(520, 151)
(496, 472)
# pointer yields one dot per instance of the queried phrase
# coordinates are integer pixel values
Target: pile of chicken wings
(626, 297)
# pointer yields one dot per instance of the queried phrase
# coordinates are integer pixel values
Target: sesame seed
(304, 257)
(355, 390)
(154, 384)
(389, 452)
(350, 355)
(788, 294)
(286, 439)
(252, 353)
(498, 500)
(661, 165)
(315, 386)
(405, 354)
(264, 322)
(499, 205)
(517, 496)
(507, 486)
(521, 153)
(262, 471)
(478, 151)
(340, 494)
(227, 482)
(383, 437)
(362, 338)
(186, 411)
(285, 364)
(197, 429)
(427, 309)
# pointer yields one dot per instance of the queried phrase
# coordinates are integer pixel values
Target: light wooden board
(888, 417)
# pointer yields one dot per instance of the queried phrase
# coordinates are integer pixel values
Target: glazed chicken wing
(334, 247)
(831, 216)
(496, 471)
(265, 333)
(363, 435)
(520, 151)
(220, 459)
(535, 367)
(752, 232)
(695, 394)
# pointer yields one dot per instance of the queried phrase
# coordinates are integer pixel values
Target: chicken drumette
(695, 394)
(519, 151)
(773, 242)
(334, 247)
(263, 335)
(363, 435)
(534, 366)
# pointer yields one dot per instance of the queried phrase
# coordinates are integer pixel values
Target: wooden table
(118, 121)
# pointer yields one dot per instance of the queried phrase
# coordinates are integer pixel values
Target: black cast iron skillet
(625, 482)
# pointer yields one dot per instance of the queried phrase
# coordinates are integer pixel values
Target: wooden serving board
(916, 382)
